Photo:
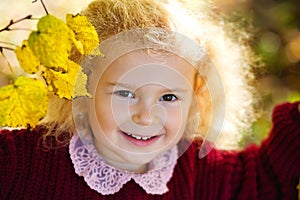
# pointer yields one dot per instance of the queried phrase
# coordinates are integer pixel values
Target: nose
(141, 114)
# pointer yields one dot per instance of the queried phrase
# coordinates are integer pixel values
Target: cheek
(104, 114)
(176, 122)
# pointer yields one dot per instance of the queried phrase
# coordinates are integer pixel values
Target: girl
(157, 108)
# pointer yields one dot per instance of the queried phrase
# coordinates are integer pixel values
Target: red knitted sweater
(270, 171)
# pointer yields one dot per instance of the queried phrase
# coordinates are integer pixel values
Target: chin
(140, 158)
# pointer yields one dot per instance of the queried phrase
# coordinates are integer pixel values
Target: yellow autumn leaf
(80, 85)
(85, 34)
(63, 83)
(23, 103)
(52, 42)
(27, 59)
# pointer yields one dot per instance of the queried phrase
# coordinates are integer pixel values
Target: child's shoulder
(9, 135)
(14, 142)
(36, 138)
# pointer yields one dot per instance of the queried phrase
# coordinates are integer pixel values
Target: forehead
(150, 66)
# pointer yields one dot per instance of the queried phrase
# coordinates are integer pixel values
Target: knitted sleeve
(15, 150)
(282, 149)
(8, 161)
(280, 153)
(271, 170)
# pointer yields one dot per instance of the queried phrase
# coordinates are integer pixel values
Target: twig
(44, 6)
(7, 48)
(12, 22)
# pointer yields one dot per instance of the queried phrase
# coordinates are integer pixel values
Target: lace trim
(106, 179)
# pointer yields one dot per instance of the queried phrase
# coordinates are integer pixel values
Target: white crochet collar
(106, 179)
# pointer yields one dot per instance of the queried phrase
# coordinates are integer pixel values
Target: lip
(140, 143)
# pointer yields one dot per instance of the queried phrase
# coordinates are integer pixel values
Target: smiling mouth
(141, 141)
(139, 137)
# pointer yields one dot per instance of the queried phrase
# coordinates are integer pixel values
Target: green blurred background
(277, 42)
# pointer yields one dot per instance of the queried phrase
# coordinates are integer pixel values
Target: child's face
(142, 103)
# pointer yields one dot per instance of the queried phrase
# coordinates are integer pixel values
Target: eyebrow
(125, 85)
(111, 84)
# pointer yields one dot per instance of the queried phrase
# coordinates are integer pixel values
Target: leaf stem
(20, 29)
(8, 43)
(43, 4)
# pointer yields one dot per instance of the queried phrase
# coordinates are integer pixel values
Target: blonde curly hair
(199, 21)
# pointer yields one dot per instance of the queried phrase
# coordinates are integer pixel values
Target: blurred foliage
(277, 42)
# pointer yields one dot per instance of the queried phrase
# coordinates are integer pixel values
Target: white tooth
(138, 137)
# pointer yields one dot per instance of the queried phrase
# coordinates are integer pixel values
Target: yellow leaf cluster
(46, 55)
(52, 44)
(22, 103)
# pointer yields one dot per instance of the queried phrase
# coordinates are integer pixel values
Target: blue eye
(124, 93)
(168, 97)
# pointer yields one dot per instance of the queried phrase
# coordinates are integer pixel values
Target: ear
(199, 83)
(204, 103)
